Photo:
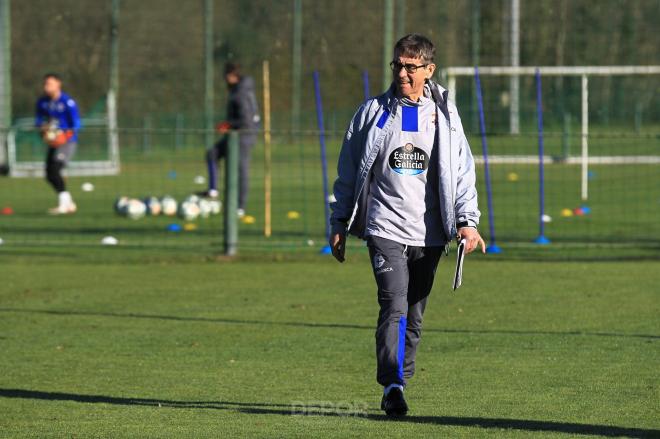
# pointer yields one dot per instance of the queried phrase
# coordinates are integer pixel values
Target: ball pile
(191, 208)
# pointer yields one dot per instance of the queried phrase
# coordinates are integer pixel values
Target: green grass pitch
(120, 347)
(160, 337)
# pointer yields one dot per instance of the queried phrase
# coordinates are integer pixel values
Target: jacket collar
(438, 94)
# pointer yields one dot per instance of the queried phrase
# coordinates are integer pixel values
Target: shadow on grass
(320, 410)
(318, 325)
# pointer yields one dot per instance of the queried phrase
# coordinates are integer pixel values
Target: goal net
(616, 128)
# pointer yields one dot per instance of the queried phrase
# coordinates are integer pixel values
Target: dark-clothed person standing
(242, 115)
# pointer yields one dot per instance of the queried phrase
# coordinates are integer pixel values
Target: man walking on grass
(406, 184)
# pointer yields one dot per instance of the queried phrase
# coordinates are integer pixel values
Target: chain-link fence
(164, 60)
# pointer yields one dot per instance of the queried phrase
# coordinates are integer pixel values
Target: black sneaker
(394, 404)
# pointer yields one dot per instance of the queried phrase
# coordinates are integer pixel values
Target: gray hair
(415, 46)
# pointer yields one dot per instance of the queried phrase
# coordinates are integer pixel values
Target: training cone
(248, 219)
(566, 213)
(7, 211)
(326, 250)
(585, 209)
(542, 240)
(293, 215)
(173, 227)
(493, 248)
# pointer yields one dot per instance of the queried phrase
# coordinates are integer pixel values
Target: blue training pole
(492, 246)
(365, 84)
(539, 114)
(324, 161)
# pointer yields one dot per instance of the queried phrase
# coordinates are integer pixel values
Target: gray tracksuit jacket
(242, 107)
(365, 137)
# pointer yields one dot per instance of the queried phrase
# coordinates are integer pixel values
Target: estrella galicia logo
(409, 160)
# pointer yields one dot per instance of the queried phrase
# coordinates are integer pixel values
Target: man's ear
(431, 70)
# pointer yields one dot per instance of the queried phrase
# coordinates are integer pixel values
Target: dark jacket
(242, 107)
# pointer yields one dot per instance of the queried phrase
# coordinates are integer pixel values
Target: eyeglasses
(410, 68)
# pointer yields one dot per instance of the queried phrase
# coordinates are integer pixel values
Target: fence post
(541, 239)
(585, 139)
(178, 131)
(566, 137)
(231, 195)
(208, 73)
(296, 61)
(146, 134)
(388, 41)
(5, 82)
(114, 46)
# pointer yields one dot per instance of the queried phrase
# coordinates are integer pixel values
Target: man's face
(52, 87)
(411, 83)
(231, 79)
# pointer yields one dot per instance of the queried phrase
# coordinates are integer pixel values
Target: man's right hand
(338, 246)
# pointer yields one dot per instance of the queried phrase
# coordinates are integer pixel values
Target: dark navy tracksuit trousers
(404, 275)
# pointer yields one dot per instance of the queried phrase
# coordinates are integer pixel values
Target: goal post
(451, 74)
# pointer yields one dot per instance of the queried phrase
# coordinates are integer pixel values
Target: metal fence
(163, 60)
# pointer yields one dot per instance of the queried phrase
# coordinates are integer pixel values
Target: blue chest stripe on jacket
(383, 119)
(409, 118)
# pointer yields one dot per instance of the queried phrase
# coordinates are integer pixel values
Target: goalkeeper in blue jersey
(59, 121)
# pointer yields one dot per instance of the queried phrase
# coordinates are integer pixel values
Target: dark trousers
(404, 276)
(219, 151)
(56, 160)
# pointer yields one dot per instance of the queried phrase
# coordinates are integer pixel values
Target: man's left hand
(472, 238)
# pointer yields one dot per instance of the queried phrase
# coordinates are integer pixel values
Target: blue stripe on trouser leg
(401, 352)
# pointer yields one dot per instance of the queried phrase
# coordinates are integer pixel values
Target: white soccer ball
(216, 206)
(189, 211)
(191, 199)
(109, 240)
(120, 206)
(87, 187)
(153, 206)
(135, 209)
(546, 218)
(168, 206)
(205, 208)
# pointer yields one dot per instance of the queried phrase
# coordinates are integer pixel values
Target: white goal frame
(111, 166)
(451, 73)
